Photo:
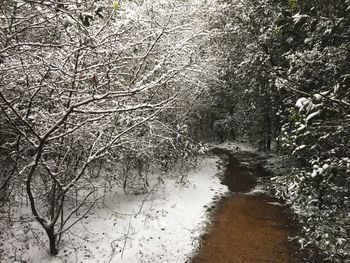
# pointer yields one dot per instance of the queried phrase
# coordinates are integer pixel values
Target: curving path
(247, 228)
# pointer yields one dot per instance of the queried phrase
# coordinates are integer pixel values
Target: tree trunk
(52, 240)
(268, 132)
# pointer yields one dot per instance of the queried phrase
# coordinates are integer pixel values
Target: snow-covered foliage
(285, 79)
(316, 128)
(242, 103)
(93, 86)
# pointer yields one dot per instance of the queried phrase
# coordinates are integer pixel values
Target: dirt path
(246, 228)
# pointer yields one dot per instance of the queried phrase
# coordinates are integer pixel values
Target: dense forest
(100, 93)
(286, 74)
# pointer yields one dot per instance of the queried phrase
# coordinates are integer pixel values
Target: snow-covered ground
(161, 226)
(235, 146)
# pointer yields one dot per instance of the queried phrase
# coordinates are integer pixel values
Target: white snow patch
(235, 146)
(161, 226)
(299, 148)
(302, 102)
(258, 189)
(318, 97)
(276, 203)
(309, 117)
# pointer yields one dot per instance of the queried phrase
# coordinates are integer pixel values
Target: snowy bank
(234, 146)
(161, 226)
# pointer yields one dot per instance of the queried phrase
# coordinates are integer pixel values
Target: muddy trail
(247, 227)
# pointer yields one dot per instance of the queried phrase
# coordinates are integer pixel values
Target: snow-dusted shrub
(85, 83)
(315, 72)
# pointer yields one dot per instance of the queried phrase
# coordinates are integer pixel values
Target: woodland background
(98, 93)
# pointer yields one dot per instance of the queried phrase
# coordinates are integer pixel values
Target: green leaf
(276, 31)
(293, 4)
(115, 5)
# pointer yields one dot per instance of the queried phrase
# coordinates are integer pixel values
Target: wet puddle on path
(245, 227)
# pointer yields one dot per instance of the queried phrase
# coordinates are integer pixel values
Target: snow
(163, 225)
(312, 115)
(301, 102)
(235, 146)
(258, 189)
(318, 97)
(298, 17)
(302, 127)
(299, 148)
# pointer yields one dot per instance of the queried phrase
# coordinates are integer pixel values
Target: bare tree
(80, 81)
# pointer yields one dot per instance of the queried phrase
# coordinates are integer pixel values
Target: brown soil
(246, 228)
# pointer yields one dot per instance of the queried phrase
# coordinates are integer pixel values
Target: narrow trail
(246, 228)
